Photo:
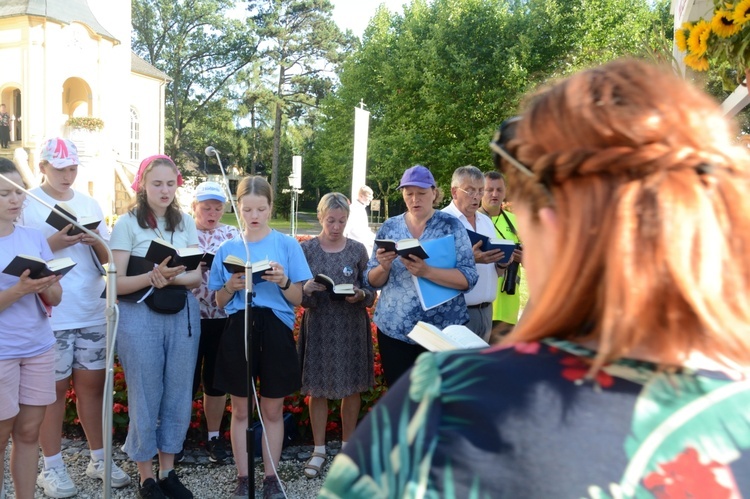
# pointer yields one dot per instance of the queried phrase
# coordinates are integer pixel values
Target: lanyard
(507, 221)
(161, 236)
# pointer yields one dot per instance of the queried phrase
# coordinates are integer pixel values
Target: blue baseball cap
(417, 176)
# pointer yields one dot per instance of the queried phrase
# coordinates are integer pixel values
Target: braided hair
(653, 204)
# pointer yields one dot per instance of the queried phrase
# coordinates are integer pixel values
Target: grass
(280, 224)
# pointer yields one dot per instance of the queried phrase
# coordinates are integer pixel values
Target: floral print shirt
(398, 308)
(4, 119)
(522, 421)
(210, 240)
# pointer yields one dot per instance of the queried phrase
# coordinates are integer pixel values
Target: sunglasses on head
(503, 135)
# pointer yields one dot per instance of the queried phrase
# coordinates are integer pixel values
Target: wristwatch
(286, 286)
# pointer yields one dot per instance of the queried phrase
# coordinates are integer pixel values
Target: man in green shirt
(506, 306)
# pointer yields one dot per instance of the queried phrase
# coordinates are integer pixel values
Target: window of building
(135, 136)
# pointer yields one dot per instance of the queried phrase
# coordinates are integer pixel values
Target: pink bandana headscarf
(144, 165)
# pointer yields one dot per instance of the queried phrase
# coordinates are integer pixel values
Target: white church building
(72, 58)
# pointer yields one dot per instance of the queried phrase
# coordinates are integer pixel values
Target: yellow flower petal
(695, 62)
(723, 24)
(742, 12)
(681, 36)
(698, 39)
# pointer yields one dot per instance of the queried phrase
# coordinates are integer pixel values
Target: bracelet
(225, 288)
(286, 286)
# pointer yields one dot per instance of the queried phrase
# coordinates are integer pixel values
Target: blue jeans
(158, 354)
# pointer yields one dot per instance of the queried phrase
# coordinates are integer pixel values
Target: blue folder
(442, 253)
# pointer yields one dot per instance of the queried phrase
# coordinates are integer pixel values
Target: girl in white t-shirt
(27, 356)
(78, 323)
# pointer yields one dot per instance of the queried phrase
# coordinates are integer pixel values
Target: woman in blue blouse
(399, 308)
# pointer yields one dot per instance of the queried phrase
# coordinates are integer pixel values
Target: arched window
(135, 136)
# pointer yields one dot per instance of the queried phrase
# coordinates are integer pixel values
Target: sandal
(310, 470)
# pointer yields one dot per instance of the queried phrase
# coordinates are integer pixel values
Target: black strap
(507, 220)
(510, 224)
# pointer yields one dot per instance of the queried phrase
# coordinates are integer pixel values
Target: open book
(39, 268)
(450, 338)
(492, 243)
(59, 223)
(404, 247)
(208, 257)
(337, 291)
(235, 264)
(159, 249)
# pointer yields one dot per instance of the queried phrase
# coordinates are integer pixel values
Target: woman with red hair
(627, 376)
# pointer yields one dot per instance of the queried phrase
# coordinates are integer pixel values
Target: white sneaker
(56, 482)
(95, 469)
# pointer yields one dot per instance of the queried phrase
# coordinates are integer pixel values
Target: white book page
(464, 337)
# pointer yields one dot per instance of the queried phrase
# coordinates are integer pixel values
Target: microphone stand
(111, 313)
(250, 432)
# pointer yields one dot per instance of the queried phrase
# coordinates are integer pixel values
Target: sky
(356, 14)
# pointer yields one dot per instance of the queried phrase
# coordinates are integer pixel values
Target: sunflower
(742, 12)
(681, 36)
(698, 39)
(698, 63)
(723, 24)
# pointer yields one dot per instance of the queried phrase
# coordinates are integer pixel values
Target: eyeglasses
(472, 193)
(505, 133)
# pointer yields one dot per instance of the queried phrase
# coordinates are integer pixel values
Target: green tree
(201, 49)
(301, 44)
(440, 77)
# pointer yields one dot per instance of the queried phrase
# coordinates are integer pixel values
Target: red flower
(687, 476)
(577, 369)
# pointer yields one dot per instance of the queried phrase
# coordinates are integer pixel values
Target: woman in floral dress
(628, 376)
(335, 345)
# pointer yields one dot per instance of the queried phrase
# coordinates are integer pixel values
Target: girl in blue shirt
(274, 353)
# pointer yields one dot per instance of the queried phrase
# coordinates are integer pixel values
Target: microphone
(112, 316)
(250, 432)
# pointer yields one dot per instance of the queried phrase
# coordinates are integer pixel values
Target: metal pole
(107, 423)
(250, 432)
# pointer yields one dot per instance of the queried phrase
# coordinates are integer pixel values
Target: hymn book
(452, 337)
(59, 223)
(39, 268)
(236, 265)
(492, 243)
(337, 291)
(159, 249)
(403, 247)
